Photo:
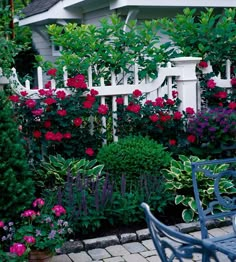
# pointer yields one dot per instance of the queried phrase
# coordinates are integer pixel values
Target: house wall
(93, 17)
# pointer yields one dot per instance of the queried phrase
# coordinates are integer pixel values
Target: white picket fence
(181, 71)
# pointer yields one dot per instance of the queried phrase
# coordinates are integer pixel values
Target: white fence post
(186, 82)
(3, 80)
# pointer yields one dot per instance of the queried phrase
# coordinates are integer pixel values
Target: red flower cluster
(137, 93)
(103, 109)
(133, 108)
(77, 82)
(211, 83)
(203, 64)
(52, 72)
(56, 136)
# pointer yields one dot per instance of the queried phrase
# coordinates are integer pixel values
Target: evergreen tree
(16, 184)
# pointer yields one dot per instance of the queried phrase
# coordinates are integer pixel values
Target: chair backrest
(219, 201)
(171, 244)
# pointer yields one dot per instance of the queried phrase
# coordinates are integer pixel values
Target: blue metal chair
(172, 245)
(226, 202)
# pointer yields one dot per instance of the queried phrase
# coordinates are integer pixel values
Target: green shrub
(16, 184)
(134, 156)
(179, 183)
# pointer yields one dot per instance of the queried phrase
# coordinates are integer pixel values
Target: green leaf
(187, 215)
(179, 199)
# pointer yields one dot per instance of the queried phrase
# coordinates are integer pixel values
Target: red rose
(14, 98)
(67, 135)
(49, 136)
(154, 118)
(159, 101)
(48, 85)
(137, 93)
(203, 64)
(233, 81)
(103, 109)
(30, 103)
(133, 108)
(37, 134)
(191, 138)
(165, 118)
(77, 121)
(211, 84)
(177, 115)
(49, 101)
(52, 72)
(61, 112)
(24, 93)
(232, 105)
(189, 110)
(93, 92)
(61, 94)
(90, 98)
(174, 94)
(87, 104)
(120, 100)
(89, 151)
(42, 92)
(170, 102)
(221, 94)
(172, 142)
(47, 124)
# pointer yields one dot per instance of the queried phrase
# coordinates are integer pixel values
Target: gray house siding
(93, 17)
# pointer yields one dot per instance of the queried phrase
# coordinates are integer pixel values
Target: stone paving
(134, 247)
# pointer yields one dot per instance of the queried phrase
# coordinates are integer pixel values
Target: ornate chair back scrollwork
(221, 206)
(172, 245)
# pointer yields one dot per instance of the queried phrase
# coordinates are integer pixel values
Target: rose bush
(59, 121)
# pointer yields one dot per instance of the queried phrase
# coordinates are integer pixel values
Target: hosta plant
(54, 171)
(179, 182)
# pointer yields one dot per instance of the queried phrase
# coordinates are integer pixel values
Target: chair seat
(225, 244)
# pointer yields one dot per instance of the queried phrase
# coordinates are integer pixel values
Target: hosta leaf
(187, 215)
(179, 199)
(175, 170)
(176, 164)
(210, 191)
(193, 205)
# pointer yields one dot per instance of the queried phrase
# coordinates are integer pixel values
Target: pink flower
(58, 210)
(29, 239)
(47, 124)
(1, 223)
(67, 135)
(24, 93)
(49, 101)
(14, 98)
(203, 64)
(137, 93)
(120, 100)
(28, 213)
(37, 134)
(61, 112)
(177, 115)
(52, 72)
(189, 110)
(18, 249)
(233, 81)
(37, 112)
(30, 103)
(154, 118)
(172, 142)
(103, 109)
(211, 83)
(93, 92)
(191, 138)
(89, 151)
(39, 202)
(77, 121)
(61, 94)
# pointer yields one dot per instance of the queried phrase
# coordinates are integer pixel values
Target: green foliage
(206, 34)
(16, 184)
(104, 46)
(133, 156)
(92, 204)
(53, 173)
(179, 183)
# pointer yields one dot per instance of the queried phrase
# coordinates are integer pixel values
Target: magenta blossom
(18, 249)
(58, 210)
(39, 202)
(29, 239)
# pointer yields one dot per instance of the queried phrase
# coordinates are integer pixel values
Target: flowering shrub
(58, 122)
(38, 229)
(213, 129)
